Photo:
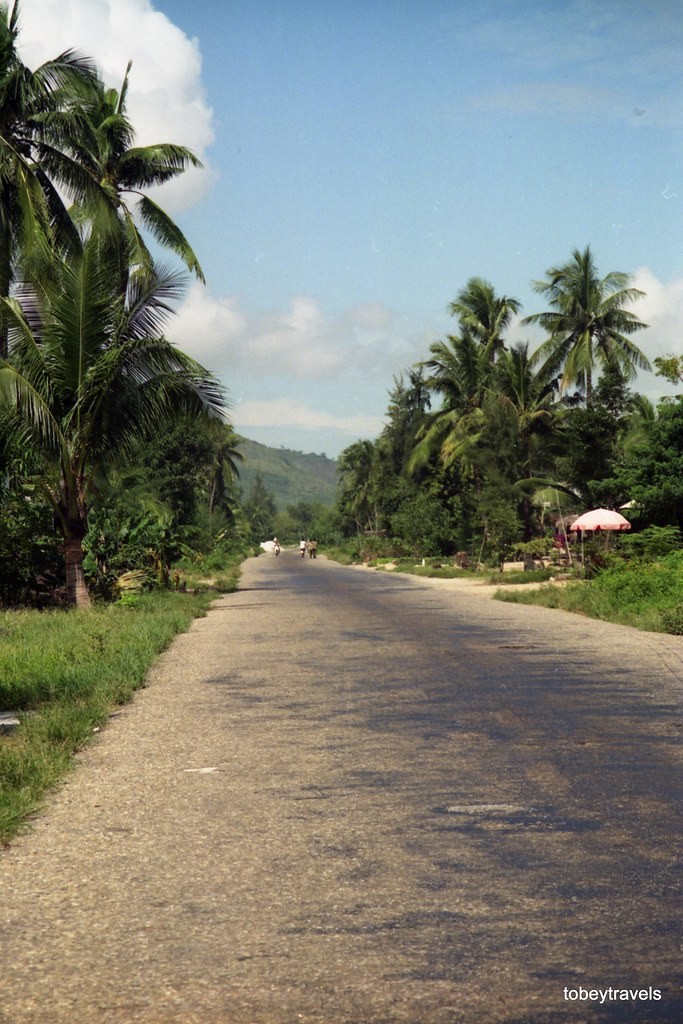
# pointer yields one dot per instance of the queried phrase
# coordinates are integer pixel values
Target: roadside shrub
(672, 619)
(374, 545)
(422, 525)
(653, 542)
(346, 555)
(646, 595)
(31, 559)
(440, 572)
(521, 577)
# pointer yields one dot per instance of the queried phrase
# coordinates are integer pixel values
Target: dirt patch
(480, 587)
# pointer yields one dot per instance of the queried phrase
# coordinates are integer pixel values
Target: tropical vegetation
(116, 457)
(118, 467)
(491, 446)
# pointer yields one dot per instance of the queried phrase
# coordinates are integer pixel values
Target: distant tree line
(483, 437)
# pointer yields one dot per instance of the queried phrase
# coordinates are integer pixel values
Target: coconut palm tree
(36, 132)
(484, 314)
(529, 404)
(357, 470)
(459, 371)
(224, 468)
(589, 323)
(531, 397)
(106, 150)
(90, 374)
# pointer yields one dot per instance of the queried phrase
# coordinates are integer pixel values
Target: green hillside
(289, 476)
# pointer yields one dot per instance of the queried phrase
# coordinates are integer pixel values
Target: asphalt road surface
(349, 797)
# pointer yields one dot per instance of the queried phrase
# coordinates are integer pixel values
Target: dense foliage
(490, 448)
(114, 454)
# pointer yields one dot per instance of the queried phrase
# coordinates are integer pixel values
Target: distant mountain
(288, 475)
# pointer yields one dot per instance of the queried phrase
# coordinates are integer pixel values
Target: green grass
(648, 596)
(64, 671)
(342, 555)
(219, 578)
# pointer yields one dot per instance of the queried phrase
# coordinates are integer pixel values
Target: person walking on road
(302, 547)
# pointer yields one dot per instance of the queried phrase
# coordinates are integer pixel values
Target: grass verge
(647, 595)
(63, 672)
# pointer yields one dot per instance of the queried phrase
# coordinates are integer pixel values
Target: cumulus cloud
(166, 99)
(211, 330)
(275, 360)
(296, 341)
(662, 310)
(300, 340)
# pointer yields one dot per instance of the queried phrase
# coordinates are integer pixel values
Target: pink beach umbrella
(598, 520)
(601, 519)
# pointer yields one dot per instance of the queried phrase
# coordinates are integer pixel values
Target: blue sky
(364, 158)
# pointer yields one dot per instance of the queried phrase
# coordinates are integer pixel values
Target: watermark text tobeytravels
(612, 994)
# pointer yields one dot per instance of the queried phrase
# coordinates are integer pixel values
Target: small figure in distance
(312, 548)
(276, 549)
(302, 547)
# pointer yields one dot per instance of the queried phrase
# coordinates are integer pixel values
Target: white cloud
(285, 412)
(300, 340)
(297, 341)
(275, 360)
(662, 310)
(166, 99)
(211, 330)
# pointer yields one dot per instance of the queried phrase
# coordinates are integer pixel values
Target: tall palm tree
(357, 468)
(90, 375)
(530, 396)
(459, 371)
(484, 314)
(408, 406)
(588, 323)
(106, 150)
(528, 401)
(37, 129)
(224, 467)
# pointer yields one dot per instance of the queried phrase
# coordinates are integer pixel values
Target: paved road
(350, 797)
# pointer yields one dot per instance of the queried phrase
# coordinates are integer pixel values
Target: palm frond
(168, 234)
(150, 298)
(33, 409)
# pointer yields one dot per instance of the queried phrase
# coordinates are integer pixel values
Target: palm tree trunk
(5, 282)
(76, 591)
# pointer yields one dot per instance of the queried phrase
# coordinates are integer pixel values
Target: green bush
(520, 577)
(648, 595)
(31, 559)
(653, 542)
(346, 555)
(672, 619)
(422, 524)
